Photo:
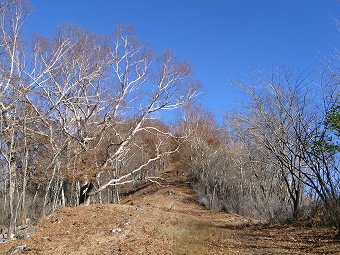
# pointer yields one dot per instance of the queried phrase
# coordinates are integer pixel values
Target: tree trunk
(84, 197)
(12, 182)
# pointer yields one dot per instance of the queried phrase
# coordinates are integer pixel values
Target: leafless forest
(80, 123)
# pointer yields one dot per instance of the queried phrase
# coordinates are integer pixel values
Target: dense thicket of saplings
(279, 160)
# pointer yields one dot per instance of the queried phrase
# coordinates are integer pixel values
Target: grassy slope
(168, 220)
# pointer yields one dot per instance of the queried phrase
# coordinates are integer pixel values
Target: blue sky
(224, 39)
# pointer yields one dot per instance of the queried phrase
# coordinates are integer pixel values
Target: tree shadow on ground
(283, 239)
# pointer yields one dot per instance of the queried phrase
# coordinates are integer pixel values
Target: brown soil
(167, 220)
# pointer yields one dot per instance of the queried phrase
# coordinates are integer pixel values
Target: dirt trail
(167, 220)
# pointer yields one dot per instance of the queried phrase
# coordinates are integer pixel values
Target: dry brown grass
(168, 220)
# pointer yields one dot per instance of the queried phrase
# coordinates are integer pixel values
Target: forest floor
(167, 219)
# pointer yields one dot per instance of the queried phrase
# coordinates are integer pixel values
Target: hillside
(167, 220)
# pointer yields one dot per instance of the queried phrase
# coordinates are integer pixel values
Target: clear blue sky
(224, 39)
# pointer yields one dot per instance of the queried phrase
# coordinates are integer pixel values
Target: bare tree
(229, 169)
(12, 16)
(95, 85)
(78, 114)
(287, 121)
